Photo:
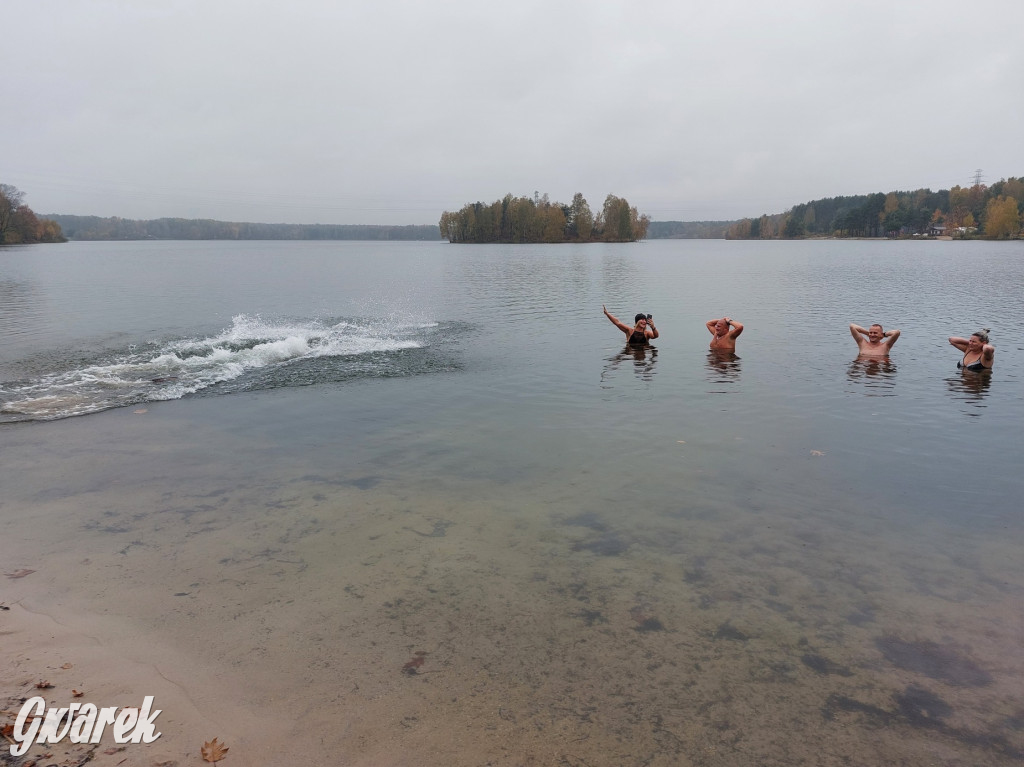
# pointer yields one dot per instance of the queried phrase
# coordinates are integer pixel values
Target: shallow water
(788, 557)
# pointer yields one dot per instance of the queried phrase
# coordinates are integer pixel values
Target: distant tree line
(19, 225)
(688, 230)
(993, 212)
(95, 228)
(537, 219)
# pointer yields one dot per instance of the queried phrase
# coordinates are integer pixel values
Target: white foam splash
(185, 366)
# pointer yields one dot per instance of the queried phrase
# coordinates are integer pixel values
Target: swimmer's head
(875, 332)
(977, 340)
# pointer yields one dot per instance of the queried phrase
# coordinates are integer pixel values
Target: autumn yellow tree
(892, 204)
(741, 230)
(640, 223)
(581, 219)
(958, 207)
(1002, 219)
(552, 222)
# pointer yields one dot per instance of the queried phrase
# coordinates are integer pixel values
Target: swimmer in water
(873, 341)
(724, 333)
(979, 354)
(642, 331)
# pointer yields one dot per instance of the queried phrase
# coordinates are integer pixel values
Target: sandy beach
(110, 665)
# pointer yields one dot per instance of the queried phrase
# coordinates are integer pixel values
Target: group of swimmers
(873, 342)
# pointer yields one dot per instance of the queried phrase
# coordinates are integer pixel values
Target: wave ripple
(253, 353)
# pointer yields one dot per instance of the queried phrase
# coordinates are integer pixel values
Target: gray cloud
(390, 112)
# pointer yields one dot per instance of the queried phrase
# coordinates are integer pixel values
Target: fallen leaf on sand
(112, 751)
(43, 685)
(77, 693)
(817, 452)
(8, 732)
(19, 573)
(66, 666)
(418, 658)
(213, 751)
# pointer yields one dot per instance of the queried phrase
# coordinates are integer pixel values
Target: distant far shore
(116, 228)
(95, 228)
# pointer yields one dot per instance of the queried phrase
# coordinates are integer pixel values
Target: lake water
(415, 503)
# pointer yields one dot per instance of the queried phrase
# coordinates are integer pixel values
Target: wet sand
(357, 616)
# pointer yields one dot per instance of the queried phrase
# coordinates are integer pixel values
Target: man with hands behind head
(873, 341)
(724, 332)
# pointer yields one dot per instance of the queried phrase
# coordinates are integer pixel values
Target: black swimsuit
(974, 367)
(637, 338)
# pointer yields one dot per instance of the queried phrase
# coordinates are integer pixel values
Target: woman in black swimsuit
(979, 354)
(638, 335)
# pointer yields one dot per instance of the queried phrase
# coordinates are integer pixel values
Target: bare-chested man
(724, 332)
(873, 342)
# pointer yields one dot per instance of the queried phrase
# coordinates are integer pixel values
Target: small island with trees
(526, 220)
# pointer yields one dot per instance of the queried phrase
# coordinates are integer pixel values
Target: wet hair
(982, 335)
(640, 316)
(876, 325)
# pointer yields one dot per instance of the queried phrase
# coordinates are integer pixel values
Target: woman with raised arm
(979, 354)
(641, 333)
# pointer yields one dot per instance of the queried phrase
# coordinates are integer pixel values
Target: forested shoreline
(977, 211)
(688, 230)
(114, 228)
(538, 220)
(19, 225)
(991, 212)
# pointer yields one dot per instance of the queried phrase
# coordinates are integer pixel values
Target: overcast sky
(390, 112)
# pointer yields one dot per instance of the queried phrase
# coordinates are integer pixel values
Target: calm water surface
(844, 533)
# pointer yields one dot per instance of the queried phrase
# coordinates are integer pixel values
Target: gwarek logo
(82, 723)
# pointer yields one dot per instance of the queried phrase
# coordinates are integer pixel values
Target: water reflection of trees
(876, 374)
(643, 358)
(723, 366)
